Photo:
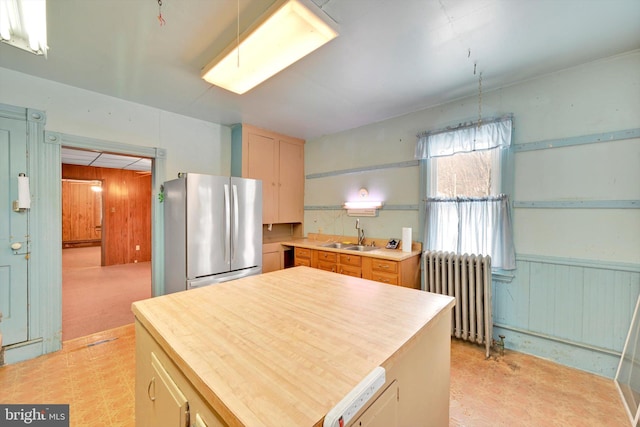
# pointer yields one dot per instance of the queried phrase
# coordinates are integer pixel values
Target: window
(465, 209)
(475, 174)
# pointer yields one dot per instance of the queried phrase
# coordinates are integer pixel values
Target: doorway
(106, 246)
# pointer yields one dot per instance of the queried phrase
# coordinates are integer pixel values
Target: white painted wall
(192, 145)
(599, 97)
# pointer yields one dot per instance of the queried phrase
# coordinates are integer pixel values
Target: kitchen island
(284, 348)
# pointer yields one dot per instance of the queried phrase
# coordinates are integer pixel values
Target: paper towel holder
(24, 200)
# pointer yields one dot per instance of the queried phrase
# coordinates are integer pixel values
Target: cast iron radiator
(467, 278)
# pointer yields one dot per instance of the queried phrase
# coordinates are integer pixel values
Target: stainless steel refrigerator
(212, 230)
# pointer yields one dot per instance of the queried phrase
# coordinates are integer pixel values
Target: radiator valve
(501, 345)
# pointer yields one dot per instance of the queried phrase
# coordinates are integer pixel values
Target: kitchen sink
(349, 247)
(337, 245)
(360, 248)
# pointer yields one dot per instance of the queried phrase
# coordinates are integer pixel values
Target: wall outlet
(137, 247)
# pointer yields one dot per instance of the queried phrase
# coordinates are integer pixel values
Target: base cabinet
(350, 265)
(164, 403)
(302, 256)
(404, 273)
(383, 412)
(164, 397)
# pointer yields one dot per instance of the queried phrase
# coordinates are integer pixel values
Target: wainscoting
(574, 312)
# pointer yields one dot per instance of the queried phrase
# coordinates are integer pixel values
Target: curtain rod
(466, 125)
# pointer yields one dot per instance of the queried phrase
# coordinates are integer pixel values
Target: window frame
(427, 172)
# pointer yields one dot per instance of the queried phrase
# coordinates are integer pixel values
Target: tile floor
(97, 381)
(95, 375)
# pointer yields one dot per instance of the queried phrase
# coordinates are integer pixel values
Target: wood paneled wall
(81, 213)
(126, 218)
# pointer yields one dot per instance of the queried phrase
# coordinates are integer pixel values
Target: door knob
(16, 246)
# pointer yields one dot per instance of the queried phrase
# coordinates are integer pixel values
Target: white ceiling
(392, 56)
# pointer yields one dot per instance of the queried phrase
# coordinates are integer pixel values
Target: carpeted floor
(96, 298)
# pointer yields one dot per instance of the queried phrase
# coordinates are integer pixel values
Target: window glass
(475, 174)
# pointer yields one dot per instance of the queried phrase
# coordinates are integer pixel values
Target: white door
(13, 230)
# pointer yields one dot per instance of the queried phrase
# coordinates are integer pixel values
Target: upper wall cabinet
(277, 160)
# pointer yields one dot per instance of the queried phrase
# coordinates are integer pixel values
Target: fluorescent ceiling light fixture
(287, 32)
(362, 205)
(23, 24)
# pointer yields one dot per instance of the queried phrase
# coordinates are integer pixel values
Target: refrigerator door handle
(235, 222)
(227, 229)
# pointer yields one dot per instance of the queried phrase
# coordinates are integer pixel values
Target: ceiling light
(288, 31)
(23, 24)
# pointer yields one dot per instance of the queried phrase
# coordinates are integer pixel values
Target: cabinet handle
(152, 382)
(383, 266)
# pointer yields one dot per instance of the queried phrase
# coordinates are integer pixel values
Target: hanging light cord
(238, 33)
(160, 18)
(480, 99)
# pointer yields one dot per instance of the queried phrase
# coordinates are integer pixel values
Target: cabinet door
(350, 270)
(383, 412)
(270, 261)
(348, 259)
(263, 164)
(390, 279)
(385, 266)
(302, 261)
(291, 182)
(327, 256)
(162, 403)
(328, 266)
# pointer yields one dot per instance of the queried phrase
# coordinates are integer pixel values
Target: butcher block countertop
(281, 349)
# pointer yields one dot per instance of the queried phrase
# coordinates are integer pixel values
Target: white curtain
(465, 139)
(472, 226)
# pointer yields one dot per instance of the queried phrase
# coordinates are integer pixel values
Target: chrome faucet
(360, 232)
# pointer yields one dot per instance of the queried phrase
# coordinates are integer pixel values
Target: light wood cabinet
(277, 160)
(350, 265)
(404, 273)
(385, 271)
(302, 256)
(270, 261)
(324, 260)
(164, 397)
(401, 273)
(272, 257)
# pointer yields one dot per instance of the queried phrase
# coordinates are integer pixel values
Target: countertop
(380, 252)
(283, 348)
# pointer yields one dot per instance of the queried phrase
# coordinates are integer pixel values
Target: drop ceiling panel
(104, 160)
